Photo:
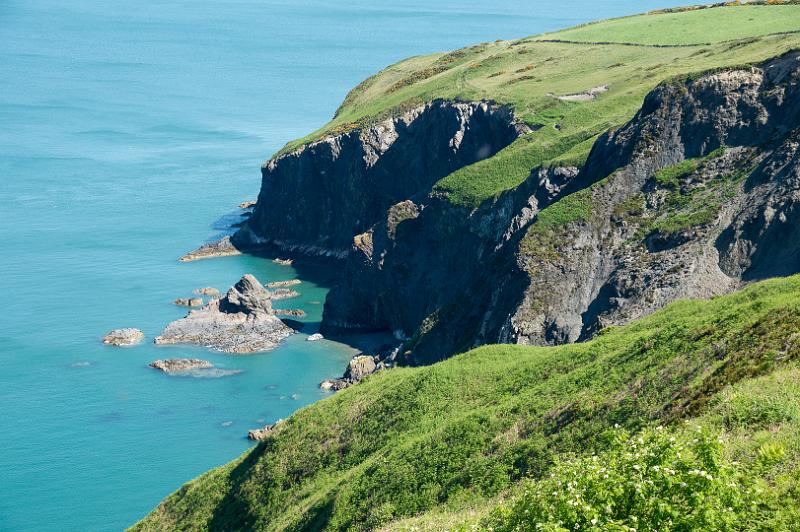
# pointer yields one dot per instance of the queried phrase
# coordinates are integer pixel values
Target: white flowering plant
(658, 480)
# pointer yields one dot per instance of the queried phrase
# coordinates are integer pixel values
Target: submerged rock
(124, 337)
(207, 291)
(241, 322)
(173, 365)
(189, 302)
(219, 248)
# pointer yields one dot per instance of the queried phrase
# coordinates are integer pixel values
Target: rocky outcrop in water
(283, 284)
(124, 337)
(219, 248)
(283, 293)
(178, 365)
(241, 322)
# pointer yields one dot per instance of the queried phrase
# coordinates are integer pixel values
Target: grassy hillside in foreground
(452, 443)
(532, 73)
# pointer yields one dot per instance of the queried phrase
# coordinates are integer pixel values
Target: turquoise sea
(129, 132)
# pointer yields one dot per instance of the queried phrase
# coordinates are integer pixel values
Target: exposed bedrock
(434, 274)
(723, 211)
(700, 227)
(316, 199)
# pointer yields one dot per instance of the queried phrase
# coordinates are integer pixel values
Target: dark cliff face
(696, 195)
(440, 277)
(316, 199)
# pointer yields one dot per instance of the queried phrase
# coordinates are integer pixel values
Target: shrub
(659, 480)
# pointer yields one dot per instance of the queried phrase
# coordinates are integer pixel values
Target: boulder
(247, 296)
(359, 367)
(314, 337)
(124, 337)
(283, 262)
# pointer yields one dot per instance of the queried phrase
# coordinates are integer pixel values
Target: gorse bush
(656, 481)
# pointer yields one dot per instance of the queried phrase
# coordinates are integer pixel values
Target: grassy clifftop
(448, 443)
(548, 80)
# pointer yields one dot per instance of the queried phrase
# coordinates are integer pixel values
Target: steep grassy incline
(456, 438)
(570, 86)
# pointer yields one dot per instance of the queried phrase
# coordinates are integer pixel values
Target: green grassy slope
(457, 437)
(530, 74)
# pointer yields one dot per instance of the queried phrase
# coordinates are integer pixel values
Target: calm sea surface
(129, 132)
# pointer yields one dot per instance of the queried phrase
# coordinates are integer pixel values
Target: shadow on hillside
(233, 513)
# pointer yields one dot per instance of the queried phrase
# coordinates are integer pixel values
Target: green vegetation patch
(460, 433)
(656, 480)
(688, 205)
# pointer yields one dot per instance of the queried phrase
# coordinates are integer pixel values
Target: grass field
(704, 26)
(530, 74)
(456, 438)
